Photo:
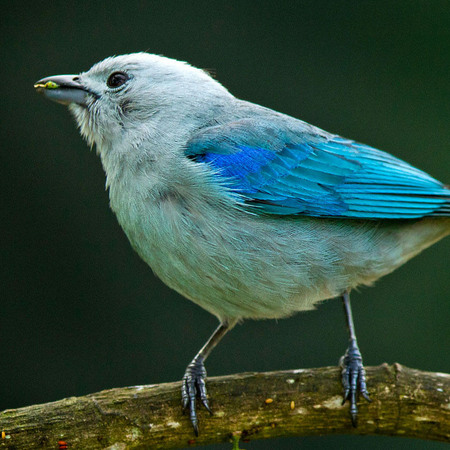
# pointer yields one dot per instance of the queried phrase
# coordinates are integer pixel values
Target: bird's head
(134, 94)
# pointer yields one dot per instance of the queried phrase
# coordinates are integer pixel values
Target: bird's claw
(353, 379)
(193, 387)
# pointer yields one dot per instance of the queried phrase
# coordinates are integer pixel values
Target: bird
(245, 211)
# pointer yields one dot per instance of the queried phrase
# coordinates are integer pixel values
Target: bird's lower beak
(63, 89)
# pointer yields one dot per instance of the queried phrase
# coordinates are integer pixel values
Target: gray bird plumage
(192, 230)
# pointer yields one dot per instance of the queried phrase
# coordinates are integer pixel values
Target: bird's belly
(237, 265)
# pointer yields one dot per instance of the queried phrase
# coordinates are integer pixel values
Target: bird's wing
(304, 171)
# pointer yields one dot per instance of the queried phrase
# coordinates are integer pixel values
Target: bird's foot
(193, 387)
(353, 378)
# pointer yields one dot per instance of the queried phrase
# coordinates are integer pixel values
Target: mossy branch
(306, 402)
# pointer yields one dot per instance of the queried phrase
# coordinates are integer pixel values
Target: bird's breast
(222, 258)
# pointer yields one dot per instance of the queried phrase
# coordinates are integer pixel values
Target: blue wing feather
(305, 171)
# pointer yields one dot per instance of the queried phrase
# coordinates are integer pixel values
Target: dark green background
(80, 312)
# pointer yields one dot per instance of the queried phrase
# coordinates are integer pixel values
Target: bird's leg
(193, 384)
(353, 373)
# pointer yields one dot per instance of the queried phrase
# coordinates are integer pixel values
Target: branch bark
(306, 402)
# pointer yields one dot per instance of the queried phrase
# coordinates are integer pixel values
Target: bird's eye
(116, 79)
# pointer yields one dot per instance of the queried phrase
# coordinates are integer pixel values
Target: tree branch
(306, 402)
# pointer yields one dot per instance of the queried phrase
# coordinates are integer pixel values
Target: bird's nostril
(76, 79)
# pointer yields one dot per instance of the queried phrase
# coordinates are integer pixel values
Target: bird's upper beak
(63, 89)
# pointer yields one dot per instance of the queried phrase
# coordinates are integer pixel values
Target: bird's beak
(63, 89)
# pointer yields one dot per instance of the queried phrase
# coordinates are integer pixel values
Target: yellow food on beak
(48, 85)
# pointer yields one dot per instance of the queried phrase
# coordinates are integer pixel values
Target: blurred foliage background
(81, 312)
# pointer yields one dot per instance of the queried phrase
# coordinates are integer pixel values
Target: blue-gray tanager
(247, 212)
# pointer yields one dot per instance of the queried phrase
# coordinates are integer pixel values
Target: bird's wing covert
(287, 171)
